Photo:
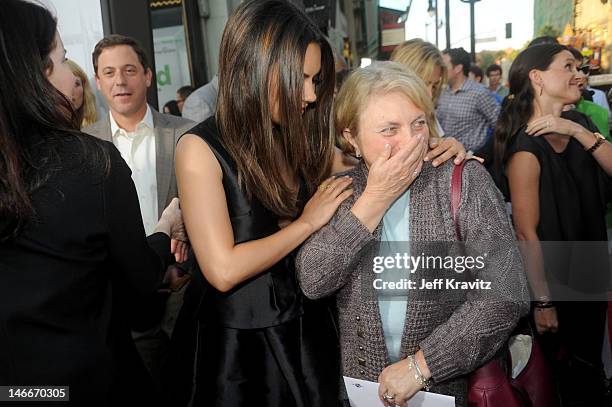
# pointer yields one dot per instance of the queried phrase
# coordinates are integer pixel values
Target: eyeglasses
(585, 69)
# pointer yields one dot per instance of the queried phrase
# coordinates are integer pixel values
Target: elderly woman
(426, 61)
(426, 337)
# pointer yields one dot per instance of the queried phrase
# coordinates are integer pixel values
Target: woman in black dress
(76, 271)
(555, 169)
(244, 176)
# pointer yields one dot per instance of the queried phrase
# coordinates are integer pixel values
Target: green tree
(549, 30)
(486, 58)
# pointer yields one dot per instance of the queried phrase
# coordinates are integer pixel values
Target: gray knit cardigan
(456, 335)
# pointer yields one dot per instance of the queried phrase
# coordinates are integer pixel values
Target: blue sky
(491, 18)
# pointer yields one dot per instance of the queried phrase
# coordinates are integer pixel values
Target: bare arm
(524, 181)
(204, 207)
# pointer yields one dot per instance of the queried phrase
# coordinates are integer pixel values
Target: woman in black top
(555, 169)
(244, 176)
(75, 268)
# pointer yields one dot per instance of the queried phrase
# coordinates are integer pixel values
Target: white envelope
(363, 393)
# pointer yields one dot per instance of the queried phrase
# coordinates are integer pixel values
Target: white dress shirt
(138, 150)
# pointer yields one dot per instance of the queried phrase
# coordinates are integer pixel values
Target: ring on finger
(387, 397)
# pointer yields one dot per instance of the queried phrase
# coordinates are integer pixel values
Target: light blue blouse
(396, 228)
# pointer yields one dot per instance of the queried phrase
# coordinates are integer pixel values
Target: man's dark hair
(475, 69)
(545, 39)
(493, 68)
(185, 91)
(459, 56)
(116, 40)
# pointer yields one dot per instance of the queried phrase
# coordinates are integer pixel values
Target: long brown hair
(34, 116)
(262, 51)
(517, 108)
(32, 111)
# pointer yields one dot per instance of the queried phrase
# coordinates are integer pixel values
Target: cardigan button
(358, 318)
(362, 372)
(361, 348)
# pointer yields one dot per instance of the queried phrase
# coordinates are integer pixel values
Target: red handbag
(489, 385)
(534, 383)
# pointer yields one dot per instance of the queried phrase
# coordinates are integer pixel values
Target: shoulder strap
(456, 197)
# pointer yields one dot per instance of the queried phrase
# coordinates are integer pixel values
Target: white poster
(171, 62)
(363, 393)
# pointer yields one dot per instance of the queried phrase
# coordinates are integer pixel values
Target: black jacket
(77, 278)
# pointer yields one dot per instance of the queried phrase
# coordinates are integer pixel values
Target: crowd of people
(295, 178)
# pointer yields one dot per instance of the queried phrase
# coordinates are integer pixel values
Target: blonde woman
(410, 339)
(83, 99)
(425, 60)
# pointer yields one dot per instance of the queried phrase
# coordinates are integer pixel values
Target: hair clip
(511, 96)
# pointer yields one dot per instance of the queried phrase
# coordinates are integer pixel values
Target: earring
(541, 88)
(358, 154)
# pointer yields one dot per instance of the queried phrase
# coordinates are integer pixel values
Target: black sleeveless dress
(573, 194)
(262, 343)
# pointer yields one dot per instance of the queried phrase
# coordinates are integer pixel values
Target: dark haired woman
(554, 168)
(244, 177)
(72, 242)
(171, 107)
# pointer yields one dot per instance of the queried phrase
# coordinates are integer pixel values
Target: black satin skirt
(292, 364)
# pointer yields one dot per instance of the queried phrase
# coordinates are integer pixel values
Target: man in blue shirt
(465, 109)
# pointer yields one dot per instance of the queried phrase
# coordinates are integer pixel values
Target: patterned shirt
(467, 113)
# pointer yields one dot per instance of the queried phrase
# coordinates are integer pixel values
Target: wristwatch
(598, 142)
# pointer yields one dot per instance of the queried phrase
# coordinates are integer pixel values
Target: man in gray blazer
(146, 140)
(167, 130)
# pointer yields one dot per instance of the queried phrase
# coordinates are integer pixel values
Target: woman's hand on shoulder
(443, 149)
(553, 124)
(325, 201)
